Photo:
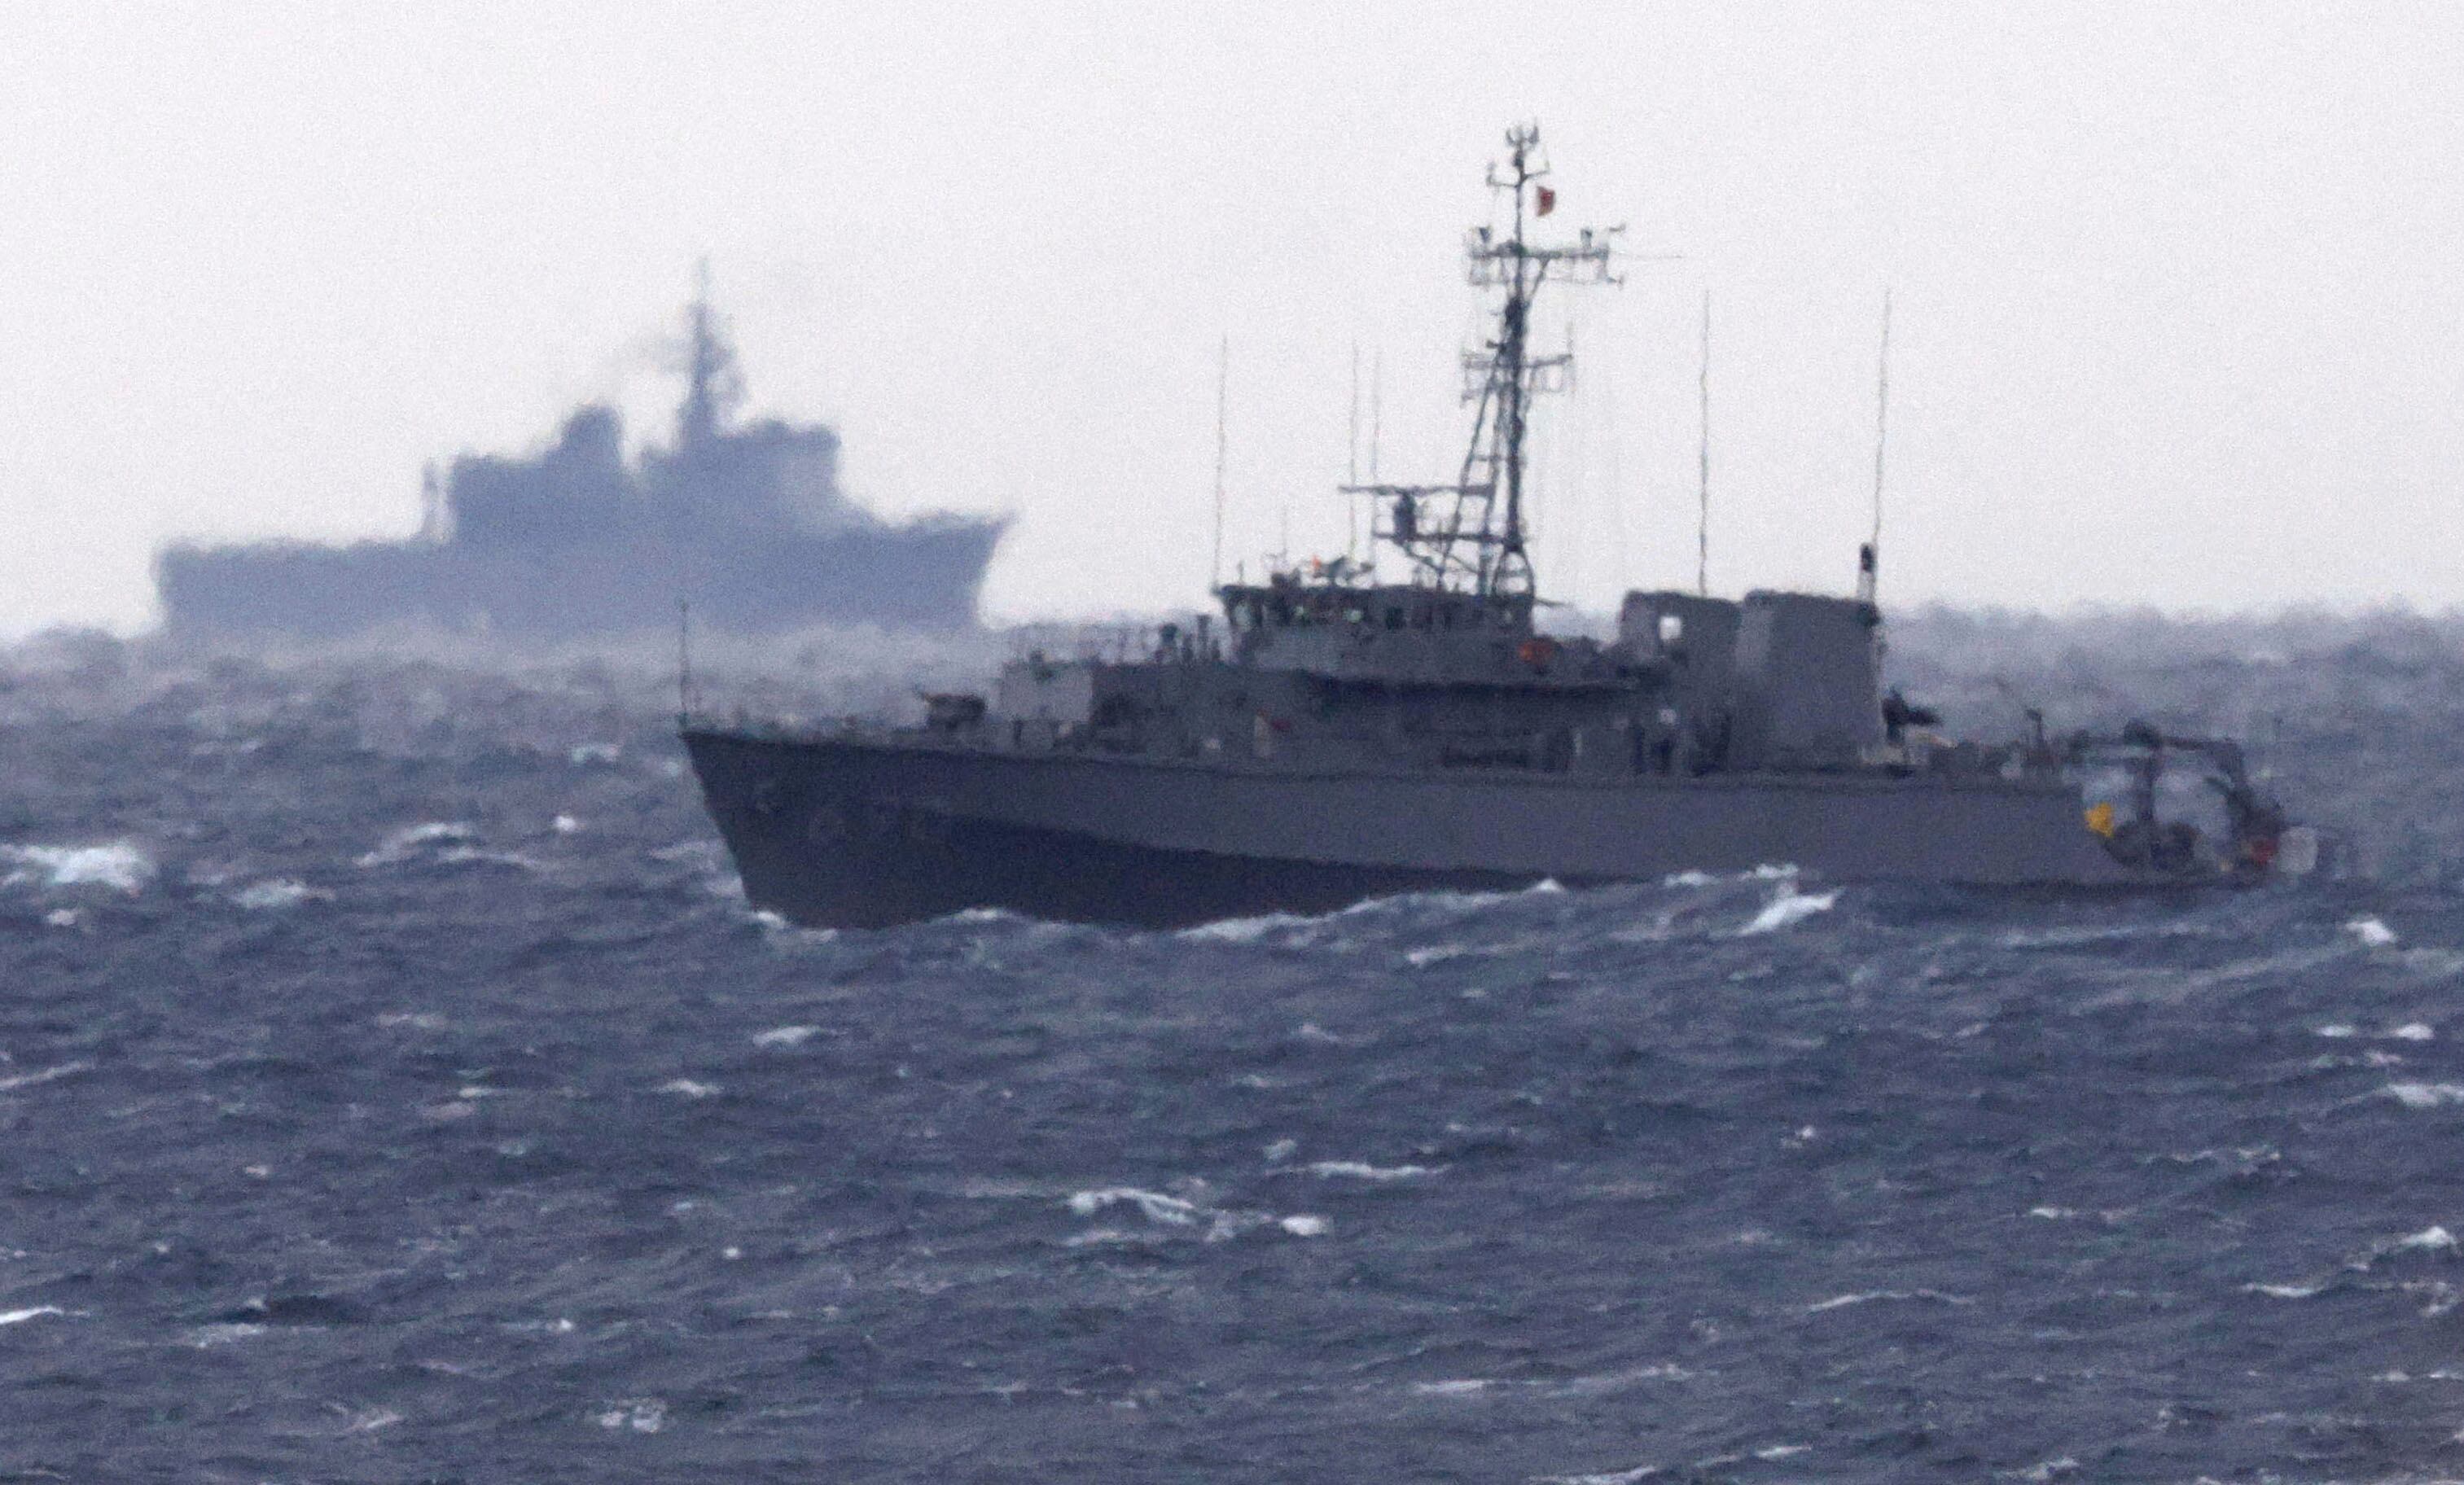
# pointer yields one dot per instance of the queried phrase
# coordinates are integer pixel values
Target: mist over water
(396, 1085)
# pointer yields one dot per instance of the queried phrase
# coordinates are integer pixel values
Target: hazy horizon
(2175, 318)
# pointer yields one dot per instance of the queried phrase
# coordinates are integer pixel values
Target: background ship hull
(924, 576)
(844, 831)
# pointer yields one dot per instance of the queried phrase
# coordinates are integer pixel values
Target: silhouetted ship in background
(745, 522)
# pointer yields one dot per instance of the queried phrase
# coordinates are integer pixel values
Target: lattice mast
(712, 384)
(1453, 534)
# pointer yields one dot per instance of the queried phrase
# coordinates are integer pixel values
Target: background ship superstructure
(746, 522)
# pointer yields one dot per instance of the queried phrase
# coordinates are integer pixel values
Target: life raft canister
(1537, 651)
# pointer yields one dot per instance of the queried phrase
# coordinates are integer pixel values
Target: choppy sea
(395, 1085)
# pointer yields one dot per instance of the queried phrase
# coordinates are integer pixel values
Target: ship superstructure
(1346, 734)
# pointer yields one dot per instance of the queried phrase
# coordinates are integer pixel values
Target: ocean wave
(2425, 1095)
(640, 1414)
(1182, 1214)
(121, 866)
(1886, 1295)
(17, 1081)
(1628, 1476)
(2373, 932)
(1154, 1205)
(1243, 931)
(1361, 1170)
(2433, 1238)
(276, 893)
(409, 840)
(1788, 906)
(785, 1036)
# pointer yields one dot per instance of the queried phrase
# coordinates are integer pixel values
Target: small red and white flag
(1547, 201)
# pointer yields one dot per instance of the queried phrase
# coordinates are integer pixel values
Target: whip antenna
(1870, 560)
(684, 663)
(1222, 394)
(1352, 462)
(1376, 407)
(1703, 522)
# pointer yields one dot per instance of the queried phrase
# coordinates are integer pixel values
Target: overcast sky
(2179, 289)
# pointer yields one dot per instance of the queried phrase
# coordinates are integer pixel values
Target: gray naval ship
(1343, 734)
(744, 521)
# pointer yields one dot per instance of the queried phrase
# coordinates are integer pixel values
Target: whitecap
(1687, 879)
(1773, 872)
(2430, 1240)
(1778, 1452)
(1154, 1205)
(399, 844)
(641, 1414)
(1304, 1225)
(1640, 1473)
(2283, 1291)
(204, 1336)
(20, 1317)
(2371, 931)
(1789, 907)
(10, 1084)
(785, 1036)
(2054, 1213)
(1240, 931)
(686, 1087)
(2414, 1030)
(602, 754)
(2339, 1032)
(1604, 1383)
(117, 864)
(1282, 1151)
(368, 1420)
(1842, 1301)
(565, 824)
(2425, 1095)
(972, 915)
(1464, 1386)
(1104, 1237)
(62, 918)
(276, 893)
(2050, 1470)
(472, 855)
(1361, 1170)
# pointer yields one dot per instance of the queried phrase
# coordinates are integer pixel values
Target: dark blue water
(397, 1087)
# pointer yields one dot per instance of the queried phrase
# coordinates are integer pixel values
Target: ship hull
(855, 832)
